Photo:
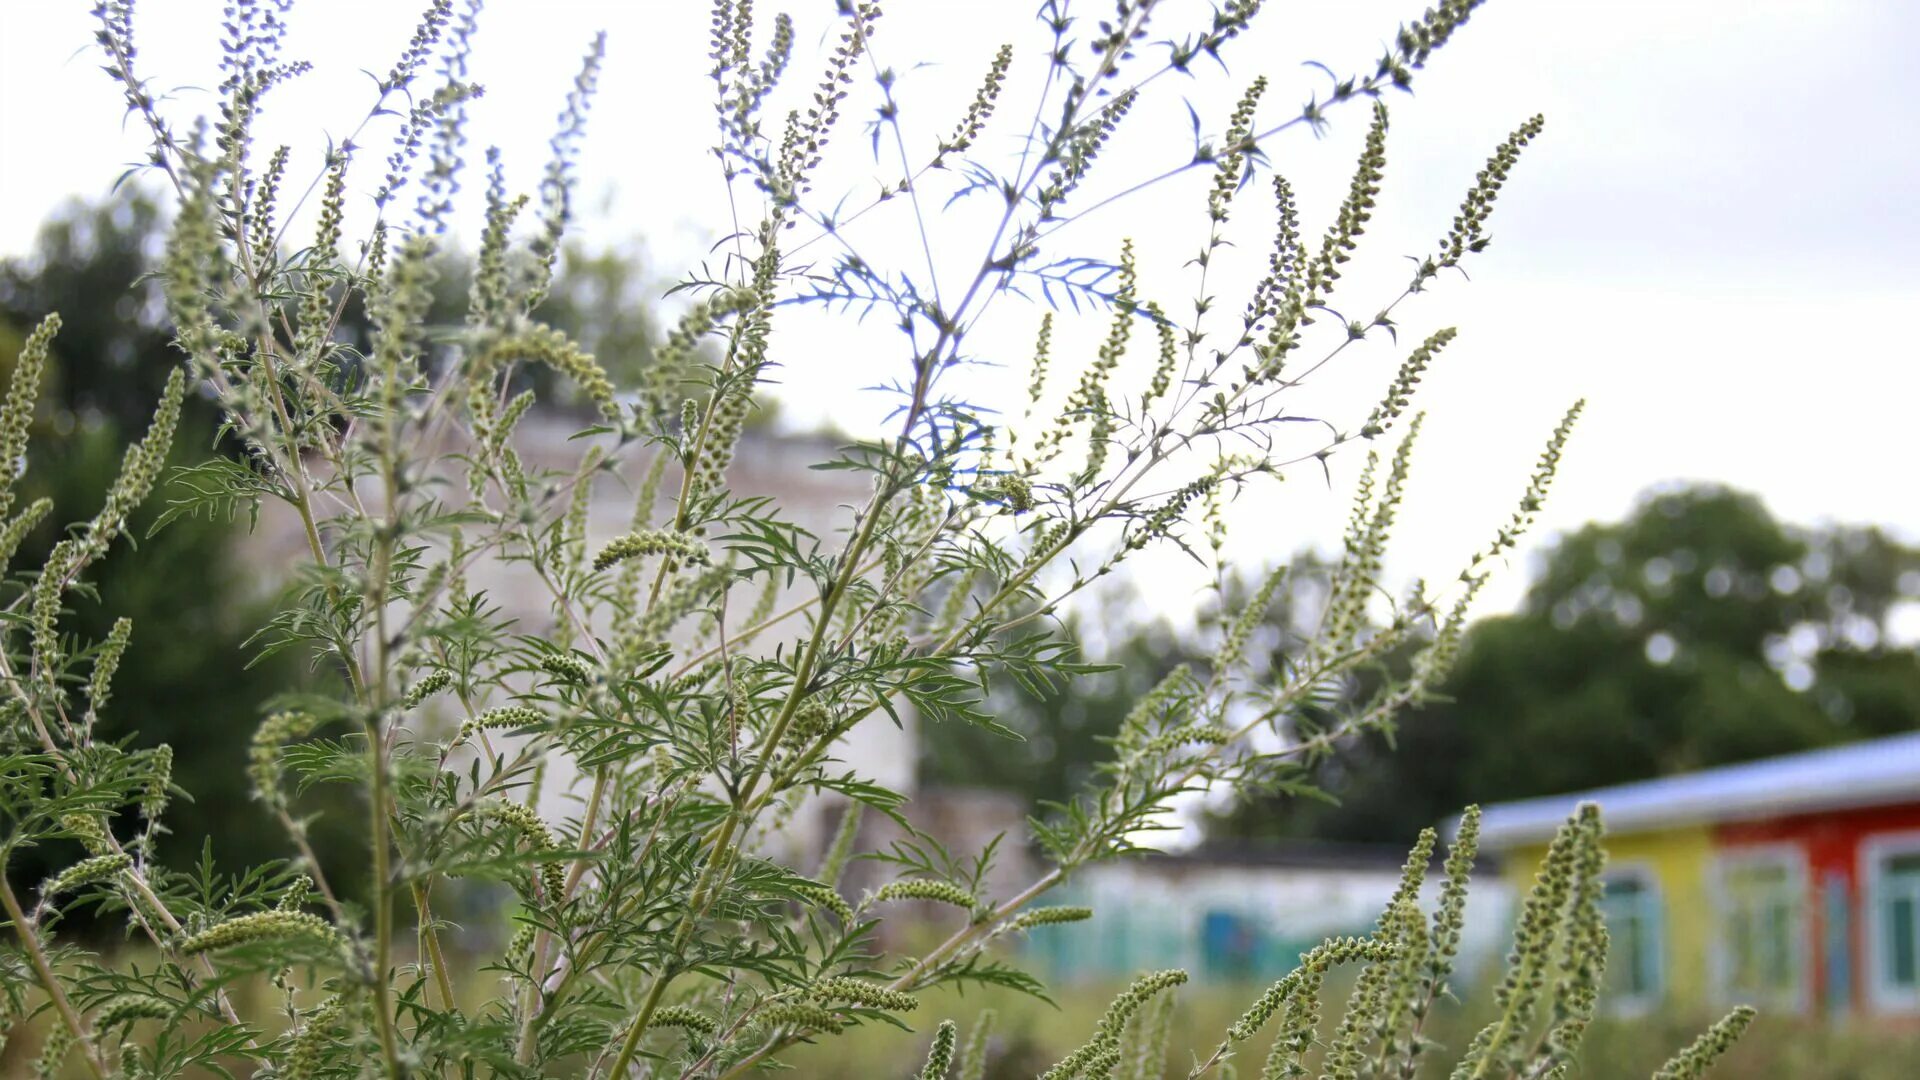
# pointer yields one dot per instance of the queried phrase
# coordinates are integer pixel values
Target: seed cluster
(1235, 147)
(685, 1017)
(85, 872)
(824, 897)
(1693, 1062)
(1563, 901)
(940, 892)
(1468, 233)
(1099, 1055)
(263, 753)
(727, 412)
(549, 346)
(538, 838)
(158, 789)
(1400, 393)
(1362, 194)
(128, 1008)
(106, 662)
(940, 1054)
(309, 1048)
(1185, 735)
(17, 529)
(430, 684)
(676, 545)
(865, 994)
(567, 668)
(504, 718)
(1050, 916)
(316, 299)
(800, 1014)
(16, 413)
(981, 108)
(53, 1053)
(973, 1057)
(88, 830)
(257, 927)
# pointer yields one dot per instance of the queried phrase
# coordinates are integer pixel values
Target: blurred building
(1791, 883)
(766, 463)
(1242, 913)
(966, 822)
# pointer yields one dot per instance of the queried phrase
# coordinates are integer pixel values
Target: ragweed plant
(699, 673)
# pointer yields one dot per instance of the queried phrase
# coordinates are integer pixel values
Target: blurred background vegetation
(190, 680)
(1029, 1037)
(185, 681)
(1699, 631)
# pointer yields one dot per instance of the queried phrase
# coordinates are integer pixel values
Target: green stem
(724, 837)
(382, 903)
(804, 668)
(960, 939)
(430, 942)
(639, 1029)
(373, 694)
(30, 941)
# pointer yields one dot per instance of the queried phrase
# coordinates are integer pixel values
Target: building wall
(1236, 922)
(1832, 848)
(1677, 861)
(765, 464)
(1827, 854)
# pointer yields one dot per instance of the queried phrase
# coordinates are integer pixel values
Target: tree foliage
(661, 931)
(92, 264)
(95, 264)
(1697, 632)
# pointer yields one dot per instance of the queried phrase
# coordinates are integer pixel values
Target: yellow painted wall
(1679, 860)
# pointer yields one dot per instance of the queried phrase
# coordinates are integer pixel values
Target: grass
(1030, 1035)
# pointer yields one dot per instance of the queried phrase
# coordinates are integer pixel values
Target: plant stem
(133, 876)
(723, 839)
(30, 941)
(957, 941)
(373, 691)
(424, 912)
(382, 902)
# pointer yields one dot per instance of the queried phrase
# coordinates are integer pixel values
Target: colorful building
(1237, 914)
(1792, 882)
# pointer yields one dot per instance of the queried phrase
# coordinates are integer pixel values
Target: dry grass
(1032, 1035)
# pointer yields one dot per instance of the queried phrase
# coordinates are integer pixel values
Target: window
(1893, 881)
(1836, 918)
(1631, 906)
(1229, 945)
(1901, 896)
(1760, 901)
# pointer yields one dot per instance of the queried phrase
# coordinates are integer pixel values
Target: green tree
(1064, 729)
(192, 603)
(1699, 631)
(658, 933)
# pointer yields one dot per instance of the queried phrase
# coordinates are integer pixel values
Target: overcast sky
(1714, 242)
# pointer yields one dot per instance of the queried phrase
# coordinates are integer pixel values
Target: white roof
(1873, 773)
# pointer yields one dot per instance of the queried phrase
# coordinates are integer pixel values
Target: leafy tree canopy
(203, 690)
(1700, 631)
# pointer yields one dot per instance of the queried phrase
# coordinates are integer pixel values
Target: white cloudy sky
(1714, 242)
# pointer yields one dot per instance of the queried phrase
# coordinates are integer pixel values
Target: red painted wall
(1831, 843)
